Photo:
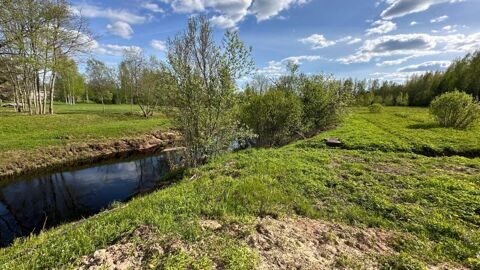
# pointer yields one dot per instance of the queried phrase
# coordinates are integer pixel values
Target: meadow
(74, 124)
(379, 180)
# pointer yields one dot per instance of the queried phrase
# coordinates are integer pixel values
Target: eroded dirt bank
(291, 243)
(16, 163)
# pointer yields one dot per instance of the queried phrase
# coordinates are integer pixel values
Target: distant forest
(419, 90)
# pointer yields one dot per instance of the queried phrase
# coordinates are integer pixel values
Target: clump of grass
(402, 261)
(375, 108)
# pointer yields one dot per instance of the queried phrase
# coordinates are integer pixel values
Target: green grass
(403, 129)
(430, 201)
(73, 124)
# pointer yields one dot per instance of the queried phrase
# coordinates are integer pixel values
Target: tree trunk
(103, 104)
(52, 92)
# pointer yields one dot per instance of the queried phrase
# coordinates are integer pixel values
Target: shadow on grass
(423, 126)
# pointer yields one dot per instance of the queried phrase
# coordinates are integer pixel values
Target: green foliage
(389, 101)
(203, 100)
(402, 99)
(100, 81)
(324, 102)
(375, 108)
(70, 83)
(296, 105)
(420, 90)
(455, 109)
(275, 116)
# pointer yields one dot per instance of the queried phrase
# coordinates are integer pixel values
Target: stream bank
(23, 162)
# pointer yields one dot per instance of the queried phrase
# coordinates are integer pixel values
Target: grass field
(405, 130)
(73, 124)
(430, 204)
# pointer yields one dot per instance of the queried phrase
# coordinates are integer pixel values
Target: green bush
(324, 104)
(375, 108)
(274, 116)
(455, 109)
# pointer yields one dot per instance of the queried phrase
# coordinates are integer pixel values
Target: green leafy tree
(324, 101)
(203, 100)
(100, 81)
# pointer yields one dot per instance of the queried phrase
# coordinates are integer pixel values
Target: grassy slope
(432, 201)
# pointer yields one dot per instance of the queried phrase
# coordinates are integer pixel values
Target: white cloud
(413, 23)
(400, 8)
(278, 68)
(301, 59)
(228, 13)
(386, 46)
(223, 22)
(381, 27)
(394, 62)
(159, 45)
(317, 41)
(266, 9)
(273, 70)
(111, 49)
(427, 66)
(354, 41)
(152, 7)
(91, 11)
(121, 29)
(412, 45)
(439, 19)
(394, 76)
(451, 28)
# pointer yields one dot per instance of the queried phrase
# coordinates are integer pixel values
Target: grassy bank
(428, 206)
(25, 139)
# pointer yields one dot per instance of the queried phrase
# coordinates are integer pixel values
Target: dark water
(29, 204)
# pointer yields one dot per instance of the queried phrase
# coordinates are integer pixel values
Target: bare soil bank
(15, 163)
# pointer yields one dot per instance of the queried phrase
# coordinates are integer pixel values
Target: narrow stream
(29, 204)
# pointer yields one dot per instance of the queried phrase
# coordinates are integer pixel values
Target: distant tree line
(419, 90)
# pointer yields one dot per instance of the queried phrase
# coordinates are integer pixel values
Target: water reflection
(28, 205)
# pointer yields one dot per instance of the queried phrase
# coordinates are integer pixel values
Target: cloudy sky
(386, 39)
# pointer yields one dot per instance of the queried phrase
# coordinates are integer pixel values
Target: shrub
(275, 116)
(455, 109)
(375, 108)
(324, 102)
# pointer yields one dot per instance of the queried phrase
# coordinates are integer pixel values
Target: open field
(404, 130)
(73, 124)
(373, 205)
(74, 133)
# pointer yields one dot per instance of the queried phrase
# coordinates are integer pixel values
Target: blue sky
(385, 39)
